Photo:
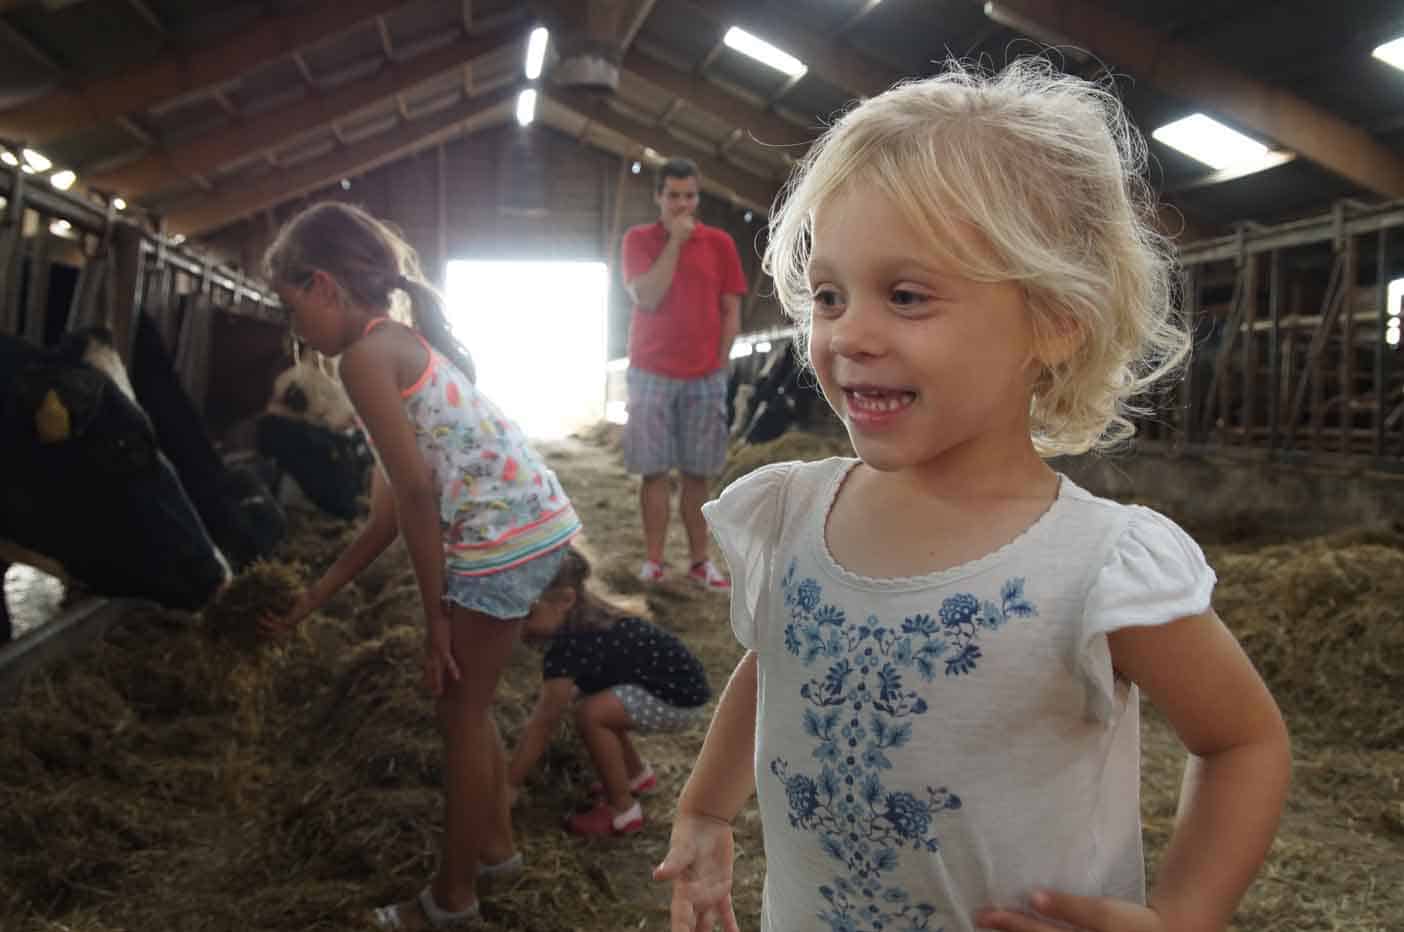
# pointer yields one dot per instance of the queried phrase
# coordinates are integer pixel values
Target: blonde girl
(946, 639)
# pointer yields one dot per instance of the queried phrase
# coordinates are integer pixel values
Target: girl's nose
(858, 331)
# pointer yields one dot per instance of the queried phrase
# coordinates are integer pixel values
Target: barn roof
(203, 112)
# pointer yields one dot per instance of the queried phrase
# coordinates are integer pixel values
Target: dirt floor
(178, 776)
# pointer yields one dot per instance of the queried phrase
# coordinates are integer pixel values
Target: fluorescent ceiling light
(763, 52)
(526, 106)
(1211, 142)
(536, 52)
(63, 180)
(9, 158)
(120, 203)
(1391, 53)
(37, 160)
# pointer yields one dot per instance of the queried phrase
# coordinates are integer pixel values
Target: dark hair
(369, 261)
(675, 168)
(590, 612)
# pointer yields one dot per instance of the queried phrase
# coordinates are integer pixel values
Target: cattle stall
(81, 285)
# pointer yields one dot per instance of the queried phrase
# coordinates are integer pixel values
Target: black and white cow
(85, 489)
(780, 396)
(308, 430)
(241, 514)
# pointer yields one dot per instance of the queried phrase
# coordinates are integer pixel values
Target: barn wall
(1244, 497)
(514, 193)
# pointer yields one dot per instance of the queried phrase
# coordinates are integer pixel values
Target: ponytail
(428, 312)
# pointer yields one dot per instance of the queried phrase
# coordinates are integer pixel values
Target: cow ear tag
(51, 419)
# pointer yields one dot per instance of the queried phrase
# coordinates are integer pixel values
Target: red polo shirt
(681, 337)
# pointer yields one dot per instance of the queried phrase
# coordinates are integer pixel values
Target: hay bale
(263, 588)
(792, 445)
(1324, 622)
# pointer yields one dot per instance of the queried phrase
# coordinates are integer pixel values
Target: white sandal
(389, 917)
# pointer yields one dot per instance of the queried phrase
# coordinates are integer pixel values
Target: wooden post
(1347, 364)
(1187, 384)
(1274, 386)
(1250, 352)
(1381, 328)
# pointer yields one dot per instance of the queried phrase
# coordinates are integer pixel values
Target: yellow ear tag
(51, 419)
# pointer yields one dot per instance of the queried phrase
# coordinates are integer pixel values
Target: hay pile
(164, 780)
(262, 588)
(791, 445)
(1324, 622)
(168, 779)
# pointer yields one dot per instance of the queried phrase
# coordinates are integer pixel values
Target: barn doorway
(537, 334)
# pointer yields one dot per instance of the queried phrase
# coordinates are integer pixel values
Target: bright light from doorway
(526, 106)
(1206, 140)
(536, 52)
(763, 52)
(536, 331)
(1391, 53)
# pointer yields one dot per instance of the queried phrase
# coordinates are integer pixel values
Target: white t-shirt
(929, 746)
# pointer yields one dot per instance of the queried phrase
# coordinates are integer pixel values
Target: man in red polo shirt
(686, 281)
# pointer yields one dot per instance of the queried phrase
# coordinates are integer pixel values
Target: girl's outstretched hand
(1090, 913)
(440, 668)
(699, 865)
(280, 626)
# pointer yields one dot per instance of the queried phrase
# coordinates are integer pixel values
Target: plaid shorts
(676, 423)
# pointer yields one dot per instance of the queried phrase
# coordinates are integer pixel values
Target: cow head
(84, 483)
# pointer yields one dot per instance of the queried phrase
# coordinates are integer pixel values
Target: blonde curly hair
(1046, 167)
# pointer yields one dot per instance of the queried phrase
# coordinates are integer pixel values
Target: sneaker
(651, 571)
(602, 820)
(706, 575)
(642, 785)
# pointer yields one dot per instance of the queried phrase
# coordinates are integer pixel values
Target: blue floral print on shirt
(861, 710)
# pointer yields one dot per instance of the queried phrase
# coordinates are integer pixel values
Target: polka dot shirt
(630, 652)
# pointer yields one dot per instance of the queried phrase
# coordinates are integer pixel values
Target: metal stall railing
(1297, 335)
(123, 268)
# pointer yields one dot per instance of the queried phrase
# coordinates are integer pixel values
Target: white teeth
(882, 401)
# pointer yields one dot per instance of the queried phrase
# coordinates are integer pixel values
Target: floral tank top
(499, 504)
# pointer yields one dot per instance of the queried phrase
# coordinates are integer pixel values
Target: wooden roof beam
(840, 65)
(1333, 143)
(725, 180)
(243, 138)
(284, 185)
(764, 127)
(66, 110)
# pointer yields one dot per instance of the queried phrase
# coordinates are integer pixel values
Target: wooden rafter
(1333, 143)
(243, 138)
(66, 110)
(276, 187)
(728, 181)
(764, 127)
(840, 65)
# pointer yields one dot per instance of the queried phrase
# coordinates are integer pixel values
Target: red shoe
(601, 820)
(652, 571)
(642, 785)
(706, 575)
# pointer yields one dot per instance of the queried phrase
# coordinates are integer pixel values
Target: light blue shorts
(508, 594)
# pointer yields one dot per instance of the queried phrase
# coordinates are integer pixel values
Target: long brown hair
(590, 612)
(369, 261)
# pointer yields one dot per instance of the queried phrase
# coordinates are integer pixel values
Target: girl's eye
(905, 298)
(827, 300)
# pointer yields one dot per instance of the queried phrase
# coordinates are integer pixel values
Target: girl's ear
(1057, 339)
(323, 287)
